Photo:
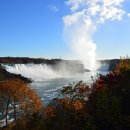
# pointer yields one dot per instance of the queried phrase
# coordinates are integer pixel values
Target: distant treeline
(26, 60)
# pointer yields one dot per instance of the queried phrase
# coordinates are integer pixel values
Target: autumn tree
(102, 106)
(17, 98)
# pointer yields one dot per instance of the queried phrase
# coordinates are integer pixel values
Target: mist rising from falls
(41, 72)
(35, 72)
(82, 22)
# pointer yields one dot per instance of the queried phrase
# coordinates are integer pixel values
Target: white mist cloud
(81, 23)
(128, 14)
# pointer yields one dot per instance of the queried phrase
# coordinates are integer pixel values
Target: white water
(37, 72)
(48, 81)
(41, 72)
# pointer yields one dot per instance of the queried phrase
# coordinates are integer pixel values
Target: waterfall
(38, 72)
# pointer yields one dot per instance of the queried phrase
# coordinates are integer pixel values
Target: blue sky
(34, 28)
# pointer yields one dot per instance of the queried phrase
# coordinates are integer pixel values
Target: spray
(82, 22)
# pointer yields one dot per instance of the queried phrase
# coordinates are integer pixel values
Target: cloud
(75, 4)
(100, 9)
(53, 8)
(128, 14)
(81, 23)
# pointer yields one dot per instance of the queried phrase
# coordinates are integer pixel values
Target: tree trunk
(14, 106)
(6, 112)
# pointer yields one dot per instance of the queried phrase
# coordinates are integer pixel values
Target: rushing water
(48, 89)
(47, 81)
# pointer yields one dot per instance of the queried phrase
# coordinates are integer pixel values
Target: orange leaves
(17, 96)
(124, 65)
(13, 88)
(77, 105)
(16, 88)
(83, 88)
(70, 104)
(31, 101)
(50, 112)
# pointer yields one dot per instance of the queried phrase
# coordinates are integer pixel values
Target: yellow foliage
(77, 105)
(124, 65)
(68, 104)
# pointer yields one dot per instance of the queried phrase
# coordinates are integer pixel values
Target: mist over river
(48, 89)
(47, 81)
